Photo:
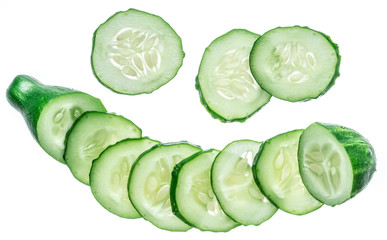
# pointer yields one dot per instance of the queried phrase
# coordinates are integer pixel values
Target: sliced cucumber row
(178, 186)
(240, 70)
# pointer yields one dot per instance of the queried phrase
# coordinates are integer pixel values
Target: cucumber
(192, 198)
(135, 52)
(226, 87)
(92, 133)
(149, 184)
(49, 111)
(234, 187)
(109, 175)
(276, 172)
(336, 162)
(295, 63)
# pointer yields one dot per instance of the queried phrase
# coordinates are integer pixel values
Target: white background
(51, 41)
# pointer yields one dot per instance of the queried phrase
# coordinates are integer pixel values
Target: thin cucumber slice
(109, 175)
(336, 162)
(234, 187)
(295, 63)
(92, 133)
(192, 197)
(276, 172)
(135, 52)
(225, 84)
(150, 180)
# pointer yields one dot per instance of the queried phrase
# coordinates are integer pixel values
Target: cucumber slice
(336, 162)
(135, 52)
(90, 135)
(49, 111)
(225, 84)
(150, 180)
(234, 186)
(295, 63)
(276, 172)
(109, 175)
(192, 197)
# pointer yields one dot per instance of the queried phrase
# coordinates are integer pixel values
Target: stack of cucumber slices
(177, 186)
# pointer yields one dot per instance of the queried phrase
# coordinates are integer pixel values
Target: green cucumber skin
(29, 97)
(360, 152)
(337, 68)
(93, 46)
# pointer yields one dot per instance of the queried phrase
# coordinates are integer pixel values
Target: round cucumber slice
(225, 84)
(276, 172)
(192, 197)
(135, 52)
(295, 63)
(336, 162)
(91, 134)
(58, 116)
(234, 187)
(150, 180)
(109, 175)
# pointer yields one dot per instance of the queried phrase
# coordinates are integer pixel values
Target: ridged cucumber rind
(360, 152)
(39, 104)
(145, 91)
(328, 86)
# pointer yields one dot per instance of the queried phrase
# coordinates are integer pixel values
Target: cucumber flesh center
(96, 143)
(119, 179)
(288, 180)
(327, 170)
(62, 120)
(322, 162)
(157, 184)
(203, 194)
(292, 62)
(232, 76)
(240, 179)
(136, 53)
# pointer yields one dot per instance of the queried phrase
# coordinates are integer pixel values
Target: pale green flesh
(136, 52)
(194, 196)
(225, 80)
(90, 136)
(149, 184)
(325, 166)
(294, 63)
(110, 172)
(279, 177)
(234, 184)
(58, 116)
